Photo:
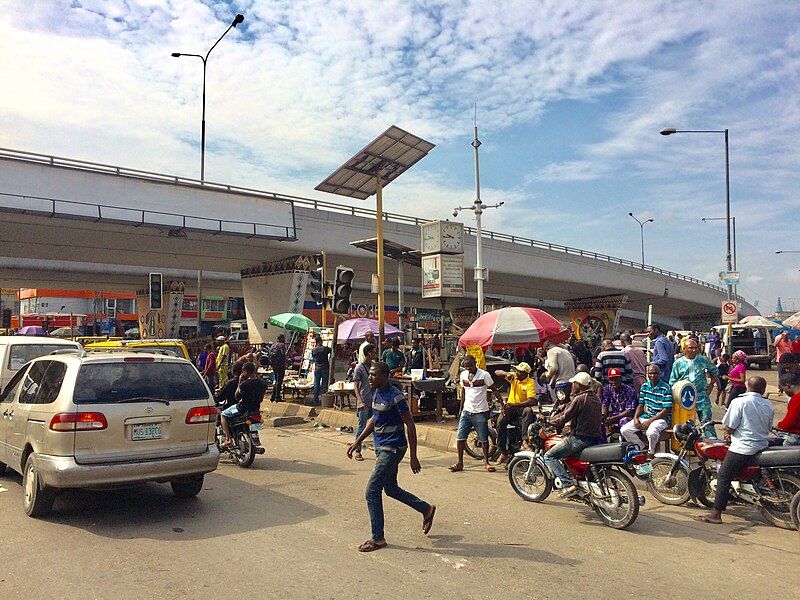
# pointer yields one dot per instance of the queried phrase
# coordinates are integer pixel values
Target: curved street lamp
(641, 227)
(236, 20)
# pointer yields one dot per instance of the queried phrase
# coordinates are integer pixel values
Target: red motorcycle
(598, 471)
(769, 483)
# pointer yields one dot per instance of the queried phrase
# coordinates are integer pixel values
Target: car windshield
(104, 383)
(22, 353)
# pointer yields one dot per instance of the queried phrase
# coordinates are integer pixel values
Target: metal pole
(728, 210)
(324, 322)
(401, 305)
(379, 217)
(641, 226)
(203, 143)
(735, 268)
(478, 208)
(199, 300)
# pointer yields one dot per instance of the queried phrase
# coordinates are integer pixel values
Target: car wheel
(37, 499)
(187, 488)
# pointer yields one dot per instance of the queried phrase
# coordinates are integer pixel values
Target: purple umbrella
(31, 330)
(354, 329)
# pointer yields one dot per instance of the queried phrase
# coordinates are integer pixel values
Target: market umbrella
(31, 330)
(66, 332)
(355, 329)
(514, 326)
(793, 321)
(292, 322)
(759, 321)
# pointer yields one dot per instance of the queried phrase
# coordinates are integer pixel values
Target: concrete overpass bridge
(68, 223)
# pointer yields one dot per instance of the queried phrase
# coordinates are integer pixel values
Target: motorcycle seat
(778, 456)
(605, 452)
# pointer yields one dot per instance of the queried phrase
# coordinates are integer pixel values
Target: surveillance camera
(455, 213)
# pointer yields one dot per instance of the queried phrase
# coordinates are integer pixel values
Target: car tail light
(201, 414)
(82, 421)
(131, 359)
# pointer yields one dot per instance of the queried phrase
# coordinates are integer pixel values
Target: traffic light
(317, 286)
(156, 291)
(342, 290)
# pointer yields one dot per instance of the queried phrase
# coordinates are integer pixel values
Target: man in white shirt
(474, 394)
(560, 369)
(747, 424)
(369, 338)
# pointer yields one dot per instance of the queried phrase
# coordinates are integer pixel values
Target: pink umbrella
(514, 326)
(355, 329)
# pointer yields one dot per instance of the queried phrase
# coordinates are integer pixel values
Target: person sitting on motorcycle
(518, 407)
(584, 414)
(618, 402)
(747, 422)
(789, 427)
(250, 394)
(226, 396)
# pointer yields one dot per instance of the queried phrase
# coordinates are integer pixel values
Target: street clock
(442, 237)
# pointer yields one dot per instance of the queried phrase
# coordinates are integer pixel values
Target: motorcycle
(514, 436)
(770, 483)
(247, 443)
(598, 470)
(794, 509)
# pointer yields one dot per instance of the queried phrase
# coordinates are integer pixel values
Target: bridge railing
(355, 211)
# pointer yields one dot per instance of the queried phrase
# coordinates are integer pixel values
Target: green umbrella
(292, 322)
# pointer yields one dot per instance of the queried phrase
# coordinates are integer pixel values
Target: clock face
(430, 238)
(452, 237)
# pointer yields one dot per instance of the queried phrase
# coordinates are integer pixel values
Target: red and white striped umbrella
(514, 326)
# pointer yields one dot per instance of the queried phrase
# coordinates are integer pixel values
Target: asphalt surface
(289, 526)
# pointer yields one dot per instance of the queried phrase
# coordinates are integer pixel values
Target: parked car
(758, 347)
(166, 347)
(16, 350)
(239, 341)
(74, 419)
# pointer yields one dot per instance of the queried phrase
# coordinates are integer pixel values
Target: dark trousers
(728, 471)
(276, 391)
(523, 416)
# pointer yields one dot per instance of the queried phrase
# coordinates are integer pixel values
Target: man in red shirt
(782, 346)
(789, 427)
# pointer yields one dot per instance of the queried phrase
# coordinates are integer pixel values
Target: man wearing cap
(584, 414)
(618, 402)
(521, 397)
(653, 413)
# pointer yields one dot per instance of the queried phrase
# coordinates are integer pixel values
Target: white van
(16, 350)
(756, 342)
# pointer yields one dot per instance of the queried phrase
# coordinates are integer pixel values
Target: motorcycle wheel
(537, 489)
(780, 513)
(699, 488)
(244, 453)
(795, 510)
(475, 449)
(673, 492)
(623, 515)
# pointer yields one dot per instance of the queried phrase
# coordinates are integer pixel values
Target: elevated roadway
(68, 223)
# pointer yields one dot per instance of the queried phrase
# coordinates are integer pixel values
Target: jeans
(320, 382)
(384, 479)
(569, 446)
(728, 471)
(704, 414)
(276, 390)
(522, 417)
(364, 415)
(477, 421)
(653, 433)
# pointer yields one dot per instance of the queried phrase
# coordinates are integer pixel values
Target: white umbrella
(759, 321)
(793, 321)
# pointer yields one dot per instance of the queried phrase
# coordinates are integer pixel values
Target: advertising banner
(164, 323)
(443, 276)
(599, 323)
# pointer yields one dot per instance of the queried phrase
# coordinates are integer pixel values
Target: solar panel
(394, 151)
(393, 250)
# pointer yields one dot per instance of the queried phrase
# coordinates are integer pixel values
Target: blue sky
(571, 97)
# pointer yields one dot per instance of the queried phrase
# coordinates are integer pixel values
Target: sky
(570, 97)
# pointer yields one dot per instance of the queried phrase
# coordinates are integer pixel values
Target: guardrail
(355, 211)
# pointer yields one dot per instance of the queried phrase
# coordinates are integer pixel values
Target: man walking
(653, 414)
(320, 356)
(696, 368)
(663, 351)
(209, 371)
(363, 393)
(611, 358)
(474, 394)
(390, 415)
(747, 424)
(637, 359)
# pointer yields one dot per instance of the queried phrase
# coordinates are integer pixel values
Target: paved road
(288, 527)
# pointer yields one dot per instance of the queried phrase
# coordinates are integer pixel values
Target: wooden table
(343, 394)
(298, 387)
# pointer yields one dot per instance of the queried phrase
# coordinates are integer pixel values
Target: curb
(288, 409)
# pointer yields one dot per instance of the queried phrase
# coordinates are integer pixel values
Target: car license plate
(256, 427)
(146, 431)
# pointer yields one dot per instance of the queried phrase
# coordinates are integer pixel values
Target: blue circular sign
(688, 397)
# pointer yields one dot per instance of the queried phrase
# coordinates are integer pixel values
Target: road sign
(729, 277)
(730, 312)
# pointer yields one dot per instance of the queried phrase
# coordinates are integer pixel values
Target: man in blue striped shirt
(653, 414)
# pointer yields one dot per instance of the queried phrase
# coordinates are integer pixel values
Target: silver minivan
(17, 350)
(77, 420)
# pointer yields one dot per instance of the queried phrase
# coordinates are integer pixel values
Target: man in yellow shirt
(518, 407)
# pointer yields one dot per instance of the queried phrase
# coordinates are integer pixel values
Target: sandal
(456, 468)
(428, 521)
(705, 519)
(490, 469)
(358, 456)
(371, 545)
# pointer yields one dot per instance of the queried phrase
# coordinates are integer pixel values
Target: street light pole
(735, 267)
(670, 131)
(641, 227)
(237, 19)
